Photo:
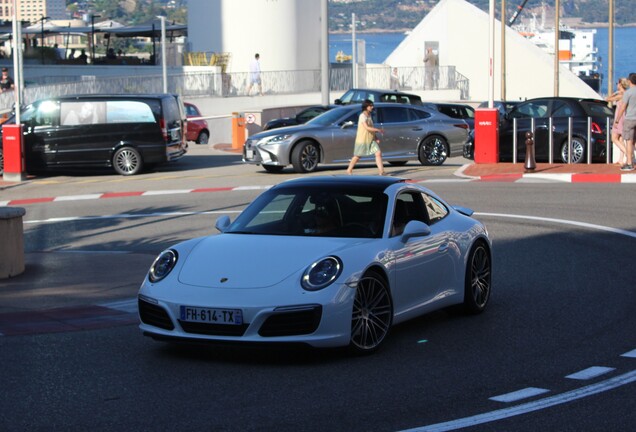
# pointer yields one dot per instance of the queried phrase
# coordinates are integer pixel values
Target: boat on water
(577, 49)
(341, 57)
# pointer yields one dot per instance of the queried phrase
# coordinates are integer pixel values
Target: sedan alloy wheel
(578, 151)
(433, 151)
(478, 279)
(305, 157)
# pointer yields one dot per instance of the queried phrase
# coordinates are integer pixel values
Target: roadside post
(13, 153)
(486, 135)
(12, 244)
(530, 164)
(238, 130)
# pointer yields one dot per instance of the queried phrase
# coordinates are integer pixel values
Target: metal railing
(570, 131)
(216, 83)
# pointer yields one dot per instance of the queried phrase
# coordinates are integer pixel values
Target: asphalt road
(555, 350)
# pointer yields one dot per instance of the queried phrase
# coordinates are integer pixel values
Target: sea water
(378, 46)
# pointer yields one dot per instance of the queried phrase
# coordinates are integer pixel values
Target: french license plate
(175, 134)
(249, 154)
(212, 316)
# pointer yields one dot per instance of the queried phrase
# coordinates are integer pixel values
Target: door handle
(443, 247)
(417, 129)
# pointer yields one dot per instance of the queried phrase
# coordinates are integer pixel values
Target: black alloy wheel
(372, 314)
(433, 151)
(478, 282)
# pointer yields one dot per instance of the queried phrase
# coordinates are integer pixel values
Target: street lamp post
(93, 37)
(44, 18)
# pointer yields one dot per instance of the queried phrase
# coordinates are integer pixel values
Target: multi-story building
(33, 10)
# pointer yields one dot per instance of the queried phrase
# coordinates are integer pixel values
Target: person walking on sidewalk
(367, 143)
(255, 75)
(617, 130)
(628, 108)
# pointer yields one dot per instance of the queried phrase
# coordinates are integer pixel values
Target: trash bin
(238, 130)
(486, 135)
(12, 243)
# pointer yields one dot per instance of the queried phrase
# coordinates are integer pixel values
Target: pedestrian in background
(431, 63)
(255, 75)
(616, 99)
(6, 82)
(367, 143)
(628, 107)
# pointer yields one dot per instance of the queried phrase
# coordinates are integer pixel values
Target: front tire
(433, 151)
(127, 161)
(305, 157)
(372, 314)
(478, 281)
(578, 150)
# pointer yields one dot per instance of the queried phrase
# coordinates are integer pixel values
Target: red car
(197, 129)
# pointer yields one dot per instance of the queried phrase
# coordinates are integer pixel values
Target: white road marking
(127, 216)
(631, 354)
(129, 306)
(519, 394)
(564, 222)
(78, 197)
(525, 408)
(591, 372)
(167, 192)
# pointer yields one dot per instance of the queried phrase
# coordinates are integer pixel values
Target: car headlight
(277, 139)
(321, 273)
(163, 265)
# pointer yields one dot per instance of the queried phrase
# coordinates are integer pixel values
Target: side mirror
(222, 223)
(338, 102)
(415, 229)
(347, 124)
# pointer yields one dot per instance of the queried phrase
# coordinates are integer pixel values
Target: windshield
(324, 211)
(331, 116)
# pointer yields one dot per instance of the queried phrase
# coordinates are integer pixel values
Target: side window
(415, 114)
(435, 209)
(47, 114)
(192, 111)
(128, 112)
(535, 109)
(408, 206)
(82, 113)
(394, 115)
(562, 109)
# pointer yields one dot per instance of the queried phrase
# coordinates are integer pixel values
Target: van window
(86, 112)
(128, 112)
(47, 114)
(171, 111)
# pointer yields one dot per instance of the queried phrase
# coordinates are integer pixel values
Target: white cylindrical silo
(286, 33)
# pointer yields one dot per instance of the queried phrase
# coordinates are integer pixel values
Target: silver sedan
(410, 133)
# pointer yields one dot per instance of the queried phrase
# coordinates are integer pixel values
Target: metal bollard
(530, 164)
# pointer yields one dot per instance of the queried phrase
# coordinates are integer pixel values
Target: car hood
(255, 261)
(303, 128)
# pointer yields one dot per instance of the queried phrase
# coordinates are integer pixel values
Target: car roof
(383, 91)
(373, 182)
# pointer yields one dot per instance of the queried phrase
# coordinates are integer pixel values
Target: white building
(286, 33)
(33, 10)
(460, 33)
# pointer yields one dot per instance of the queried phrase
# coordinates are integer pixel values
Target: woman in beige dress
(366, 142)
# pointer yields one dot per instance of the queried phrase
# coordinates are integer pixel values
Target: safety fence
(214, 82)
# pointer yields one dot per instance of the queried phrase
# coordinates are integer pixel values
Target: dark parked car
(197, 129)
(560, 109)
(301, 118)
(355, 96)
(410, 133)
(125, 132)
(504, 107)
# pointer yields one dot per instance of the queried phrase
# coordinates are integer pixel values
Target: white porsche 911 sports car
(324, 261)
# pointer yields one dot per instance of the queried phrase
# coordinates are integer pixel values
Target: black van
(126, 132)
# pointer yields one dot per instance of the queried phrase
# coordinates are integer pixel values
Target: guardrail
(588, 150)
(217, 83)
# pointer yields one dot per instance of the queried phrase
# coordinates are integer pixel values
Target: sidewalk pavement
(70, 291)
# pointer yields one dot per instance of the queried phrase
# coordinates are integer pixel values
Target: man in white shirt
(255, 75)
